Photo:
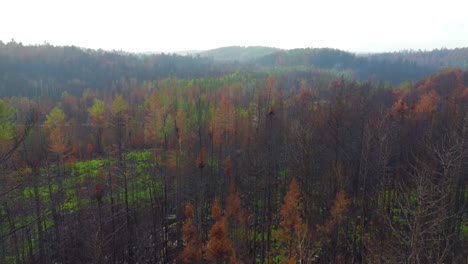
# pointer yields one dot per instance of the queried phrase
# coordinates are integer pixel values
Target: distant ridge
(187, 52)
(238, 53)
(41, 70)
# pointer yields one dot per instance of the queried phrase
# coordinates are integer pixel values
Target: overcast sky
(175, 25)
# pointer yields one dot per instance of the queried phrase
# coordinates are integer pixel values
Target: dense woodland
(47, 71)
(120, 158)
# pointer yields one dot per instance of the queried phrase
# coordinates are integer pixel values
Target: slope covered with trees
(48, 71)
(439, 58)
(238, 53)
(360, 67)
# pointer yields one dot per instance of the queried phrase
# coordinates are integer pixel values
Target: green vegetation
(285, 157)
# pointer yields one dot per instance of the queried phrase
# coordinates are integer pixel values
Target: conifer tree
(293, 230)
(192, 245)
(219, 248)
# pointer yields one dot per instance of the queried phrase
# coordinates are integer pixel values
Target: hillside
(439, 58)
(360, 67)
(46, 70)
(238, 53)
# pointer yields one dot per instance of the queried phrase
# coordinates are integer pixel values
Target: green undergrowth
(72, 188)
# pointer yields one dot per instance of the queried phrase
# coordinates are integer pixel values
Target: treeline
(47, 71)
(439, 58)
(238, 53)
(362, 68)
(243, 168)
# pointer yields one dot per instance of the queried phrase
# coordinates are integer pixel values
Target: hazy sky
(174, 25)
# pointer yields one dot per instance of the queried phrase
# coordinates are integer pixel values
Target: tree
(6, 126)
(55, 126)
(58, 143)
(336, 213)
(13, 134)
(330, 232)
(55, 119)
(219, 247)
(192, 251)
(236, 216)
(96, 113)
(156, 117)
(119, 122)
(293, 230)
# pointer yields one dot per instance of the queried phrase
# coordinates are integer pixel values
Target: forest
(297, 156)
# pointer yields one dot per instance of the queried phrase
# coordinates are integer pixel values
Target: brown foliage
(223, 120)
(89, 149)
(292, 227)
(58, 142)
(336, 213)
(233, 207)
(428, 102)
(188, 211)
(201, 158)
(98, 191)
(191, 239)
(219, 247)
(216, 210)
(399, 109)
(271, 111)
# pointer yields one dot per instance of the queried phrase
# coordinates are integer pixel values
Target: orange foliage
(188, 210)
(171, 159)
(191, 239)
(428, 102)
(58, 143)
(223, 120)
(292, 226)
(73, 153)
(399, 109)
(219, 247)
(271, 111)
(89, 149)
(450, 78)
(400, 93)
(216, 210)
(201, 158)
(305, 96)
(336, 213)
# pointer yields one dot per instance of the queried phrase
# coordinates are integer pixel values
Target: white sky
(175, 25)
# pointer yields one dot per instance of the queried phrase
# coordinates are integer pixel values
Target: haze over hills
(438, 58)
(28, 67)
(238, 53)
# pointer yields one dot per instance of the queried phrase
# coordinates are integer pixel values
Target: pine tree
(191, 239)
(219, 247)
(293, 230)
